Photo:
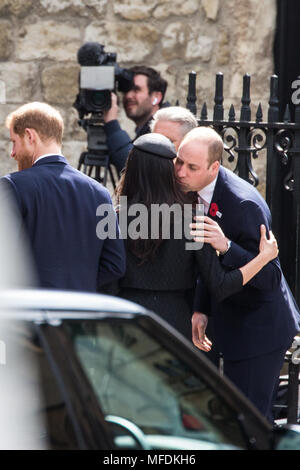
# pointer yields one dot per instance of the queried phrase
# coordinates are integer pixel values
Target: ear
(215, 167)
(30, 135)
(156, 98)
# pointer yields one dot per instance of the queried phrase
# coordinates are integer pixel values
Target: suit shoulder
(239, 188)
(91, 182)
(18, 176)
(30, 177)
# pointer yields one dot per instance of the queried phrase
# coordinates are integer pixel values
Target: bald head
(208, 137)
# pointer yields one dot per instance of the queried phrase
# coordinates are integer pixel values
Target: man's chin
(130, 111)
(130, 115)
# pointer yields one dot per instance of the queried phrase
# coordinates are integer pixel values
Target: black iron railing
(244, 141)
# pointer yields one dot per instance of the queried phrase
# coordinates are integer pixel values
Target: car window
(33, 413)
(139, 382)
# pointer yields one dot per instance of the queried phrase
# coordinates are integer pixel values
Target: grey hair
(175, 114)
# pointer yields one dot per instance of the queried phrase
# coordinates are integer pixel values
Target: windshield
(139, 380)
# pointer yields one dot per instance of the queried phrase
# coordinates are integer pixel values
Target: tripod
(96, 157)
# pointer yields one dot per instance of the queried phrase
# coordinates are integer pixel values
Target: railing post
(218, 107)
(272, 163)
(293, 383)
(191, 97)
(244, 154)
(292, 393)
(274, 178)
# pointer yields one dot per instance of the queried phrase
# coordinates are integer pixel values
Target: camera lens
(99, 99)
(95, 101)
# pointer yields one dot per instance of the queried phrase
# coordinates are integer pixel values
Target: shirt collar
(207, 193)
(47, 155)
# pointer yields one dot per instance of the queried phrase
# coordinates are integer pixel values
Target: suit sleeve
(112, 263)
(220, 281)
(245, 248)
(202, 298)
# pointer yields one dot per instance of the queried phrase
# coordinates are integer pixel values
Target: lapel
(215, 208)
(51, 159)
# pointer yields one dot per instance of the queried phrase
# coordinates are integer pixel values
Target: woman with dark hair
(161, 273)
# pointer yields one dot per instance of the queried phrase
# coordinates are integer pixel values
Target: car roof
(40, 300)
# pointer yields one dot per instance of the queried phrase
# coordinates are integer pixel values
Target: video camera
(99, 76)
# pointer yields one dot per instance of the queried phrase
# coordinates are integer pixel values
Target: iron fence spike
(204, 112)
(259, 113)
(231, 114)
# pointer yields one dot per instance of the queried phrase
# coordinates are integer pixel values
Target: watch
(228, 246)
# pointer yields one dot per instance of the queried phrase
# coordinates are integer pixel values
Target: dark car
(83, 371)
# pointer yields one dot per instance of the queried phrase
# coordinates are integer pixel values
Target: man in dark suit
(58, 206)
(255, 327)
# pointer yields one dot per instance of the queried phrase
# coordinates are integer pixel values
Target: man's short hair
(155, 81)
(183, 116)
(41, 117)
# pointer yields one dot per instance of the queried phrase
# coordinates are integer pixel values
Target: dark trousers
(257, 378)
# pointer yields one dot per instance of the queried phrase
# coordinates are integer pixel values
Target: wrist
(228, 245)
(263, 258)
(200, 317)
(108, 118)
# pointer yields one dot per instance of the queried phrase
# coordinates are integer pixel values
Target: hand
(112, 113)
(199, 324)
(208, 231)
(268, 248)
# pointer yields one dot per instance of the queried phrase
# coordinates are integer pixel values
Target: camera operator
(140, 103)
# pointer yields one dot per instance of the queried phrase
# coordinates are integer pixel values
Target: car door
(153, 389)
(120, 381)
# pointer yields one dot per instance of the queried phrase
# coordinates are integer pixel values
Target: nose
(180, 170)
(128, 95)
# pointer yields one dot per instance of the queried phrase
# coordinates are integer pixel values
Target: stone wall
(39, 40)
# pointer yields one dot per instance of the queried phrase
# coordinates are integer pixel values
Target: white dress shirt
(206, 194)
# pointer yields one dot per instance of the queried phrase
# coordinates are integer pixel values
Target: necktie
(205, 204)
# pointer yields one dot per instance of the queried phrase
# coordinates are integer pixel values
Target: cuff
(235, 257)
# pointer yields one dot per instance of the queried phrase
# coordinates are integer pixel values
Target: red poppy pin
(214, 210)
